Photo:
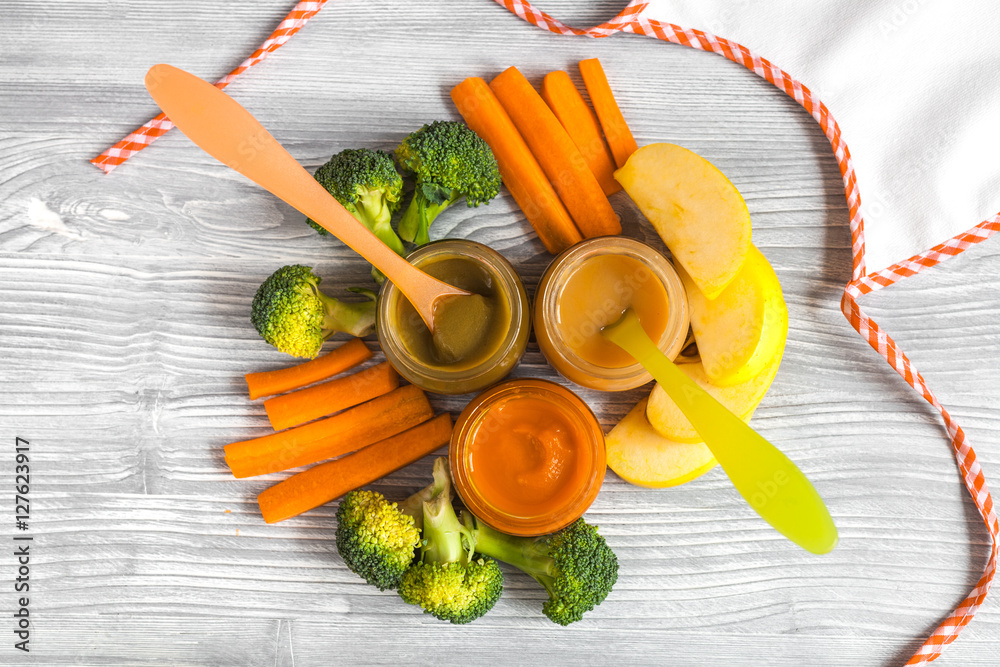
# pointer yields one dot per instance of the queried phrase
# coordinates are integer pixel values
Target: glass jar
(527, 456)
(457, 378)
(570, 307)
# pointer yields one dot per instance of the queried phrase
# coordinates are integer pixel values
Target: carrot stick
(337, 360)
(345, 432)
(520, 170)
(328, 481)
(616, 131)
(557, 154)
(304, 405)
(582, 125)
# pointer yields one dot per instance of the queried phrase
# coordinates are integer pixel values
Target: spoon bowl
(221, 127)
(767, 479)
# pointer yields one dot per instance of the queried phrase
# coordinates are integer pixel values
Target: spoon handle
(767, 479)
(221, 127)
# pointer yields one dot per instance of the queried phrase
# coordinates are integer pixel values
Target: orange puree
(527, 458)
(596, 294)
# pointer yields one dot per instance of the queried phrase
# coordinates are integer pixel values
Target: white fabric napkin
(915, 88)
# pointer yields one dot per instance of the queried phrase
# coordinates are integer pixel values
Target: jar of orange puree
(589, 286)
(527, 456)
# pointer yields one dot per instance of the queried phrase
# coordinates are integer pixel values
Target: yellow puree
(597, 294)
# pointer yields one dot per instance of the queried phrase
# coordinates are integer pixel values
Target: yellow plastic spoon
(221, 127)
(767, 479)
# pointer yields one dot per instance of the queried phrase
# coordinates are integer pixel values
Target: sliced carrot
(616, 131)
(304, 405)
(334, 436)
(520, 170)
(581, 123)
(337, 360)
(557, 154)
(328, 481)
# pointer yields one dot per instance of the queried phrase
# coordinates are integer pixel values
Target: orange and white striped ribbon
(157, 127)
(631, 20)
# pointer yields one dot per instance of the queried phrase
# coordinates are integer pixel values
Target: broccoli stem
(443, 533)
(433, 513)
(375, 214)
(419, 215)
(414, 505)
(521, 552)
(372, 210)
(356, 318)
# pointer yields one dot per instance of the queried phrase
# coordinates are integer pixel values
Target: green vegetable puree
(467, 329)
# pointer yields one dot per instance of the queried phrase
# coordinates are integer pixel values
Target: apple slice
(742, 330)
(697, 212)
(740, 399)
(641, 456)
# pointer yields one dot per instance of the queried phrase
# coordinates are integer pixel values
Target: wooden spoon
(767, 479)
(229, 133)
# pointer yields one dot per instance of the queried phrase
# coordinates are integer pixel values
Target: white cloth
(915, 87)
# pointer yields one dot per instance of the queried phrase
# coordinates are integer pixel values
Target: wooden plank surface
(124, 335)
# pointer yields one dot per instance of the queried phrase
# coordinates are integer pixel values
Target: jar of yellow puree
(589, 286)
(470, 349)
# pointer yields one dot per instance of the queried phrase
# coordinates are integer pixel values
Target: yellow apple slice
(697, 212)
(641, 456)
(744, 328)
(740, 399)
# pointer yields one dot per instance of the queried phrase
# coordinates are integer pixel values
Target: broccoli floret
(454, 592)
(375, 539)
(575, 565)
(367, 184)
(449, 581)
(450, 161)
(292, 314)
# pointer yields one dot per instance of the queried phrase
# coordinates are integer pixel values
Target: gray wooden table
(124, 335)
